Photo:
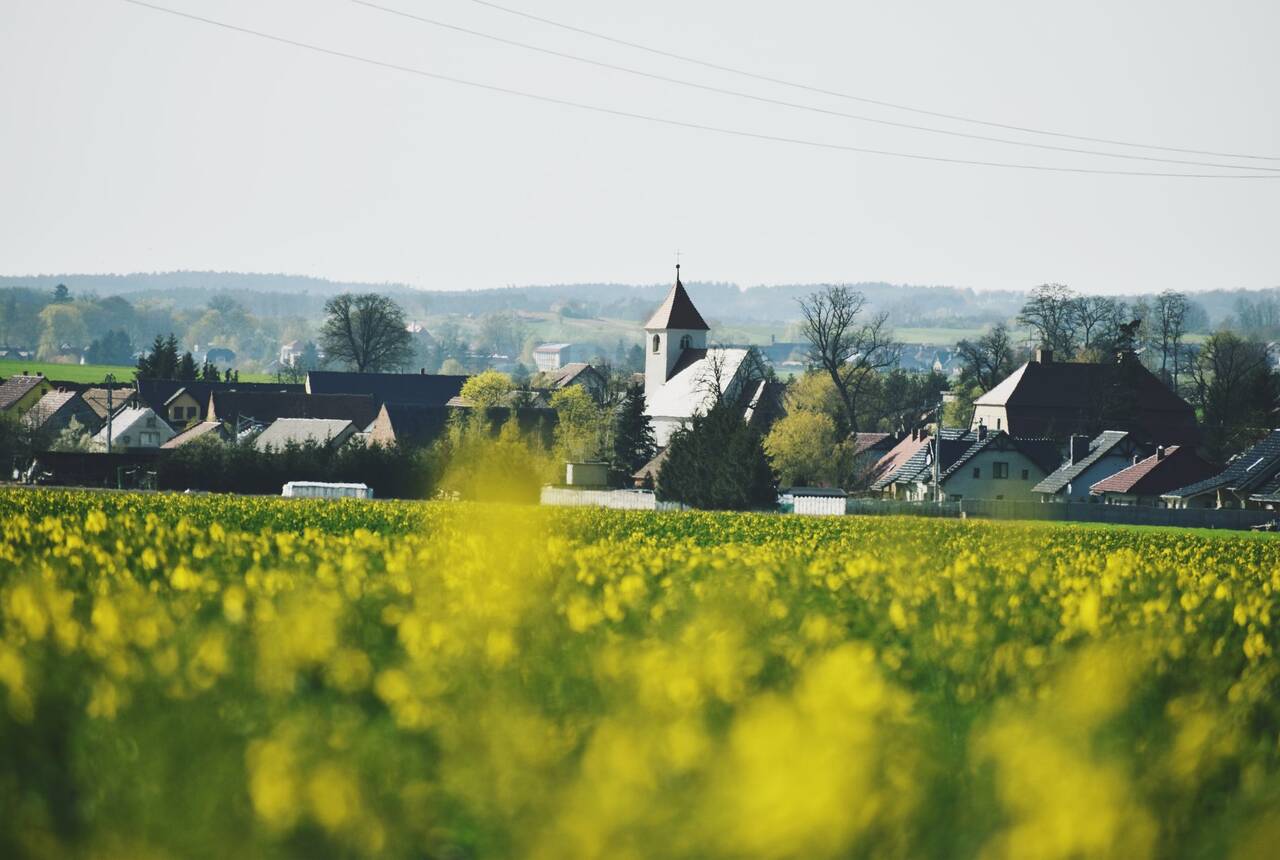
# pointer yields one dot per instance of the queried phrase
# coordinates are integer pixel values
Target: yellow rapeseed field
(221, 677)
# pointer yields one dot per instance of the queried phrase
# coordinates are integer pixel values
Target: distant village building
(54, 413)
(1047, 398)
(21, 391)
(550, 357)
(134, 428)
(973, 464)
(684, 378)
(1090, 461)
(423, 389)
(1250, 480)
(577, 373)
(290, 353)
(327, 432)
(1145, 481)
(202, 430)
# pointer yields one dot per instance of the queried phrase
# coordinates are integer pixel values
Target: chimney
(1160, 453)
(422, 371)
(1044, 355)
(1136, 459)
(982, 431)
(1078, 447)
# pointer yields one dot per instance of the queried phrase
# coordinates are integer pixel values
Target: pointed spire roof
(677, 311)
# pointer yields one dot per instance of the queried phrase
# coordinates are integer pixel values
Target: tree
(61, 295)
(988, 360)
(803, 449)
(718, 463)
(1234, 390)
(1170, 326)
(1095, 316)
(59, 324)
(581, 427)
(367, 332)
(633, 444)
(114, 347)
(452, 367)
(186, 370)
(487, 389)
(1051, 312)
(161, 362)
(848, 346)
(208, 372)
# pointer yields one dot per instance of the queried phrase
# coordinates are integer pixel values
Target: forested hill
(278, 295)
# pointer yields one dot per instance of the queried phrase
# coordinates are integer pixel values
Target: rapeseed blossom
(212, 676)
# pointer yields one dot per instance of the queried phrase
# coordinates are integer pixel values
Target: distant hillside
(298, 296)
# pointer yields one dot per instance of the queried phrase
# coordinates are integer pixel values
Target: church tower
(675, 326)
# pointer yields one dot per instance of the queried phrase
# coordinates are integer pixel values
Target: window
(657, 342)
(124, 440)
(686, 342)
(1026, 474)
(999, 470)
(150, 440)
(999, 498)
(977, 471)
(998, 420)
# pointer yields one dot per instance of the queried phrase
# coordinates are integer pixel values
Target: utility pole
(937, 455)
(111, 381)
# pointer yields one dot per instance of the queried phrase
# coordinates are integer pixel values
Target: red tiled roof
(1180, 465)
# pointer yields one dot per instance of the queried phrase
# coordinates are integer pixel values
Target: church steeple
(677, 311)
(676, 326)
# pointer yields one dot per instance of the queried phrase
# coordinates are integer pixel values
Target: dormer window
(686, 342)
(657, 342)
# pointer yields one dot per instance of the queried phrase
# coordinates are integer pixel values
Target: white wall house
(133, 428)
(682, 376)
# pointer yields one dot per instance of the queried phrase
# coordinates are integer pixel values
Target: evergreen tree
(633, 437)
(186, 370)
(170, 365)
(718, 463)
(209, 372)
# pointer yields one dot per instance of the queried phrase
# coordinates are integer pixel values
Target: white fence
(628, 500)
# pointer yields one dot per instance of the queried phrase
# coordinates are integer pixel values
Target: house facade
(1146, 480)
(21, 391)
(132, 429)
(972, 464)
(1250, 480)
(1088, 462)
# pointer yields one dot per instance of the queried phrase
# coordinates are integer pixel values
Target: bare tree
(987, 360)
(850, 347)
(1051, 312)
(366, 332)
(716, 377)
(1170, 326)
(1095, 315)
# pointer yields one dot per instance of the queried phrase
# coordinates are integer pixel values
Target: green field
(89, 372)
(213, 676)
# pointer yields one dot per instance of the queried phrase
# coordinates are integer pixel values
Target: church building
(683, 377)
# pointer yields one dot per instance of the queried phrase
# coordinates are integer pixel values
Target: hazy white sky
(136, 141)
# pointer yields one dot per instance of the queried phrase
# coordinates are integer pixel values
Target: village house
(200, 430)
(550, 357)
(1051, 399)
(21, 391)
(683, 377)
(1089, 461)
(186, 401)
(328, 432)
(1146, 480)
(423, 389)
(577, 373)
(266, 407)
(408, 425)
(881, 478)
(978, 464)
(1250, 480)
(133, 428)
(55, 412)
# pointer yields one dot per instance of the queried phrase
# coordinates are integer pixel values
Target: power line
(780, 102)
(864, 99)
(675, 122)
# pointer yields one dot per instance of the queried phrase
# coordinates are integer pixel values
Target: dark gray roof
(1252, 469)
(960, 446)
(424, 389)
(677, 312)
(1099, 447)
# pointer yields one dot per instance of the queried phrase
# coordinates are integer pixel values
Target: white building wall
(661, 352)
(1013, 488)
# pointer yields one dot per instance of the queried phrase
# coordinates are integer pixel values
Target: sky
(138, 141)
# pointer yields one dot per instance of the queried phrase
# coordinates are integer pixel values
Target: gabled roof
(1099, 447)
(677, 311)
(97, 399)
(48, 406)
(888, 466)
(1251, 469)
(124, 421)
(551, 347)
(686, 392)
(958, 447)
(410, 424)
(425, 389)
(157, 392)
(569, 374)
(195, 431)
(268, 406)
(326, 431)
(863, 442)
(1175, 466)
(1269, 493)
(1061, 397)
(17, 387)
